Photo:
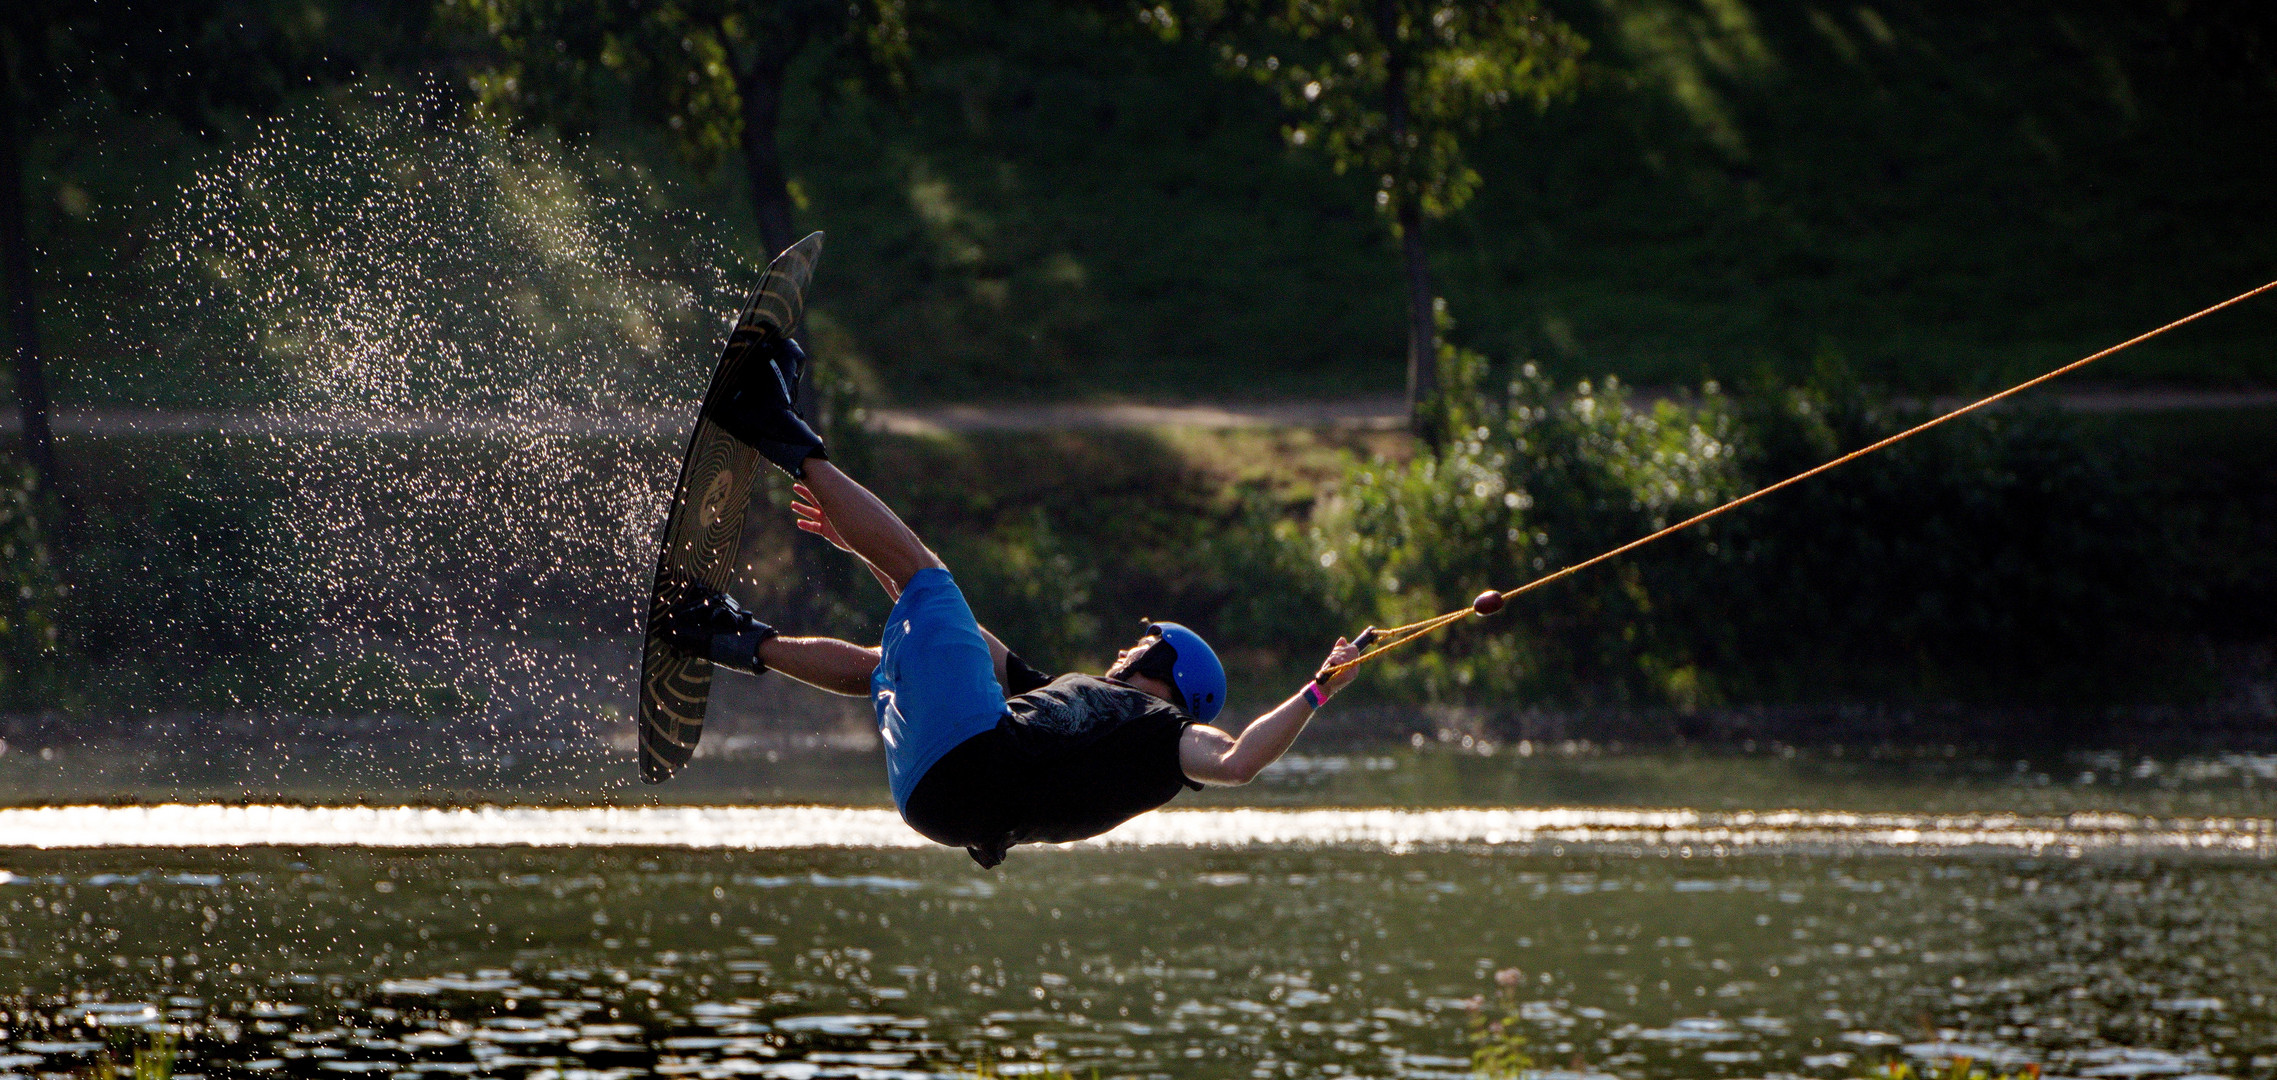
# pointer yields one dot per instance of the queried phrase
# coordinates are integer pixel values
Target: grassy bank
(469, 586)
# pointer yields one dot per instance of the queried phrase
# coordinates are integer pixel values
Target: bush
(1997, 558)
(1525, 486)
(2017, 556)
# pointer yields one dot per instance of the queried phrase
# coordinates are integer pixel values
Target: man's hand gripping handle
(1367, 637)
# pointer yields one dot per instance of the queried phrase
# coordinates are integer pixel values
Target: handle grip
(1366, 638)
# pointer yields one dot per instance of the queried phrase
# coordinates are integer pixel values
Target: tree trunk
(761, 87)
(1422, 328)
(16, 284)
(1423, 409)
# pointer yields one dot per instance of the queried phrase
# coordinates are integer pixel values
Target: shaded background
(1747, 236)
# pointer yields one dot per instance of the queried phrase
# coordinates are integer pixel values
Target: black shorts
(1090, 756)
(965, 800)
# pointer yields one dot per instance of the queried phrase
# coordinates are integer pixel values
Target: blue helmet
(1182, 659)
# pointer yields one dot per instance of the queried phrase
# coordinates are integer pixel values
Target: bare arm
(1210, 756)
(812, 518)
(864, 525)
(996, 654)
(892, 591)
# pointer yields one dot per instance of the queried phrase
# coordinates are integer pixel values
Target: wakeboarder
(983, 751)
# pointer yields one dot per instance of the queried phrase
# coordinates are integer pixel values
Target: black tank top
(1069, 759)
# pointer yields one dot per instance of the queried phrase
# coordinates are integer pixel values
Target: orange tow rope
(1401, 635)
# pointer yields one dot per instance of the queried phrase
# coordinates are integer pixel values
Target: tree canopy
(1391, 88)
(201, 62)
(711, 72)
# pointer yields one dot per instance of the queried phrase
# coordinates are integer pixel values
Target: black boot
(707, 623)
(760, 408)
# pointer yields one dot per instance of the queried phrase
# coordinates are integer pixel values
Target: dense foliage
(2029, 558)
(1054, 201)
(1061, 203)
(711, 73)
(1525, 489)
(2009, 557)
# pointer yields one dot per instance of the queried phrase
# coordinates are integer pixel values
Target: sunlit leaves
(1998, 558)
(1390, 89)
(1521, 488)
(687, 64)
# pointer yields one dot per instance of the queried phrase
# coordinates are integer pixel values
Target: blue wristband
(1316, 693)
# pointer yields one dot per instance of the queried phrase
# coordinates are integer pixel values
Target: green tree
(1390, 89)
(713, 72)
(200, 62)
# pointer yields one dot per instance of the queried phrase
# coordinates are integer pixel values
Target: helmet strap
(1159, 661)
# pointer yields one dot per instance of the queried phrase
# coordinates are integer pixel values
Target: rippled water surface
(1171, 959)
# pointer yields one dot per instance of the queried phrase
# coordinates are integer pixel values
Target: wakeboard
(704, 528)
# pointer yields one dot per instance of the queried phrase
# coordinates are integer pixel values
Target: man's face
(1124, 658)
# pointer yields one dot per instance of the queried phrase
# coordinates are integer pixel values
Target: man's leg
(708, 623)
(867, 525)
(761, 411)
(840, 667)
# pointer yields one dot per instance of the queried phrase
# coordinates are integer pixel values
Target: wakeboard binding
(711, 624)
(755, 388)
(760, 406)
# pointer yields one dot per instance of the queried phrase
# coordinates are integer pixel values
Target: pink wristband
(1316, 694)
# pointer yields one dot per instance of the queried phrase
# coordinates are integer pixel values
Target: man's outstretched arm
(1210, 756)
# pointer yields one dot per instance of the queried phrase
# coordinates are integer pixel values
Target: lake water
(1242, 943)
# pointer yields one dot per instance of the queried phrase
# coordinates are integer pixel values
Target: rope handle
(1326, 672)
(1490, 602)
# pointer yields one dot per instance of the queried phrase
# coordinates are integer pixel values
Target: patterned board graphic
(705, 527)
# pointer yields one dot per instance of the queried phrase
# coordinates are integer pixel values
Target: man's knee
(922, 560)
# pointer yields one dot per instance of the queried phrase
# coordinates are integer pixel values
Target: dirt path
(1377, 413)
(2124, 401)
(1374, 413)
